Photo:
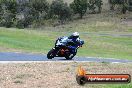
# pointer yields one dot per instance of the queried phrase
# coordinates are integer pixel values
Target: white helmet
(76, 34)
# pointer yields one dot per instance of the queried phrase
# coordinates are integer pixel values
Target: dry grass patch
(53, 74)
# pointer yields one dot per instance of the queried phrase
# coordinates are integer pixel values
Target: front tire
(50, 54)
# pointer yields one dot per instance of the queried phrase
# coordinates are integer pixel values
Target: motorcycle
(63, 50)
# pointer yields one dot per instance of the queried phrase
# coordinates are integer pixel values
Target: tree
(12, 6)
(40, 5)
(93, 4)
(79, 7)
(60, 9)
(26, 14)
(40, 8)
(121, 3)
(99, 4)
(7, 19)
(31, 11)
(0, 12)
(0, 6)
(8, 12)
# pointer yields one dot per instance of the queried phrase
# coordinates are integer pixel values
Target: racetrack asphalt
(11, 56)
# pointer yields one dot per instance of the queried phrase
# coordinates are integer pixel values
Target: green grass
(42, 41)
(25, 40)
(109, 85)
(101, 33)
(120, 86)
(108, 46)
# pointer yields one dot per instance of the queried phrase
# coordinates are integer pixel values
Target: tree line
(24, 13)
(123, 4)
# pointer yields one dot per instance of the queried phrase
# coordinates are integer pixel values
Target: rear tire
(50, 54)
(69, 57)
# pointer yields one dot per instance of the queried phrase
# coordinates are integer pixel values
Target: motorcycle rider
(72, 42)
(76, 41)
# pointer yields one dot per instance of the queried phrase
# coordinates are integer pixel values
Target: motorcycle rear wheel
(69, 57)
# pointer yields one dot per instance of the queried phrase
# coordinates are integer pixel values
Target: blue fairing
(73, 48)
(62, 41)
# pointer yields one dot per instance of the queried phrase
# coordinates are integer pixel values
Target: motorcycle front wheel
(50, 54)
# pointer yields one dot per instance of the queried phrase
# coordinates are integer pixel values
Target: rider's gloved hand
(82, 42)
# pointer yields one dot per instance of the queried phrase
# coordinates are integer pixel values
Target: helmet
(75, 34)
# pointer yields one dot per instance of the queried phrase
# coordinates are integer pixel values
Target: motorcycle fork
(55, 52)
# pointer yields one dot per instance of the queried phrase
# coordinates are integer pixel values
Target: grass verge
(105, 35)
(96, 45)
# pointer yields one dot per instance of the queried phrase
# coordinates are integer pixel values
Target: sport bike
(62, 50)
